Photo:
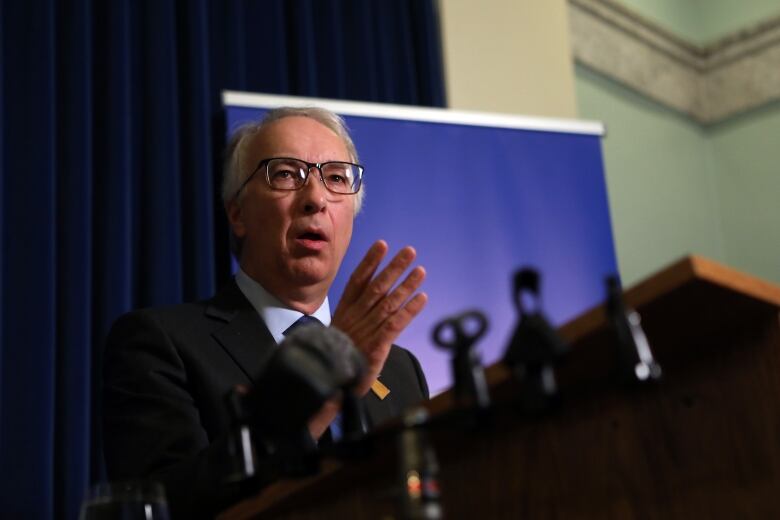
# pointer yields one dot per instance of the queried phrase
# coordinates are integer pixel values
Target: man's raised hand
(372, 312)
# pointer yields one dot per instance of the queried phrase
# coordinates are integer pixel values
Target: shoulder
(160, 328)
(185, 319)
(170, 317)
(403, 365)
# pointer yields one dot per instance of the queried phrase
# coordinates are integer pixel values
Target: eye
(282, 174)
(335, 178)
(338, 174)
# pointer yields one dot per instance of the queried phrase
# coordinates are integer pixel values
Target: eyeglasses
(289, 174)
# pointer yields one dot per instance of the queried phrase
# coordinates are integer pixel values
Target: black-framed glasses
(289, 174)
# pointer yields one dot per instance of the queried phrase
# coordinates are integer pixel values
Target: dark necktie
(311, 321)
(301, 322)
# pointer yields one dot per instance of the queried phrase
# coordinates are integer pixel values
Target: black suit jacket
(166, 372)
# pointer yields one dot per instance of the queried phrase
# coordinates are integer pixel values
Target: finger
(393, 301)
(365, 270)
(384, 281)
(396, 323)
(388, 305)
(384, 337)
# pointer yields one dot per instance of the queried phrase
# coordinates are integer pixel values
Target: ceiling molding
(708, 83)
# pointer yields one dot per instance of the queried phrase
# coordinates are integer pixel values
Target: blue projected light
(479, 202)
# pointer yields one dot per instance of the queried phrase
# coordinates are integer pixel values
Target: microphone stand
(636, 363)
(459, 334)
(535, 347)
(418, 470)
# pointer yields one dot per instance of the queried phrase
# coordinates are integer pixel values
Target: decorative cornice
(708, 83)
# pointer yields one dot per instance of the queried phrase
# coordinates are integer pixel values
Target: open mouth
(311, 235)
(312, 240)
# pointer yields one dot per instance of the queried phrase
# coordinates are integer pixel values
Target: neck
(306, 299)
(300, 301)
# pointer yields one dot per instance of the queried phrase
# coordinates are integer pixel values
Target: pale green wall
(704, 21)
(746, 163)
(678, 188)
(677, 16)
(663, 198)
(719, 18)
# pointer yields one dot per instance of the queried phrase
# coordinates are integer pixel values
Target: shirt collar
(275, 314)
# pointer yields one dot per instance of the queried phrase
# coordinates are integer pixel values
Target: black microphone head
(333, 348)
(310, 366)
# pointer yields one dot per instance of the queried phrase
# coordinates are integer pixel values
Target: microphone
(345, 365)
(636, 363)
(418, 470)
(310, 366)
(535, 347)
(459, 334)
(269, 435)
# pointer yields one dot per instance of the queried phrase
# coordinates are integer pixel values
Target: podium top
(685, 272)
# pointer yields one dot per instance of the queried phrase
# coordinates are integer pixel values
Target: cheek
(271, 221)
(345, 230)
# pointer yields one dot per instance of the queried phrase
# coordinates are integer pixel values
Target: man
(291, 191)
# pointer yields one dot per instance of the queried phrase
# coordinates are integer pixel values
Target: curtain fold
(30, 260)
(73, 231)
(111, 133)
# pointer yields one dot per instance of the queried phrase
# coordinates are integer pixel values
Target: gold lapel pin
(379, 389)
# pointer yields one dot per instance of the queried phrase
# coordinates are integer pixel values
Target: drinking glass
(130, 500)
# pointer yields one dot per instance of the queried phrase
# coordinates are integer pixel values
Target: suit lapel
(244, 337)
(250, 344)
(378, 410)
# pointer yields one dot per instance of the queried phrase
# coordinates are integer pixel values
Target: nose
(314, 194)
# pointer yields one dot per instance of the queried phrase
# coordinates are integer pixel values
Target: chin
(308, 274)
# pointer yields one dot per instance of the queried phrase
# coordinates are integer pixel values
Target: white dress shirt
(276, 316)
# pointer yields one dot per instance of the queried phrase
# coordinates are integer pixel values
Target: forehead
(297, 136)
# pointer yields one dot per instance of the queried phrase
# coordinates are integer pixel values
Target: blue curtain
(110, 137)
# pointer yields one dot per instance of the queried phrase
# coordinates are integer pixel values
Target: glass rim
(265, 162)
(127, 490)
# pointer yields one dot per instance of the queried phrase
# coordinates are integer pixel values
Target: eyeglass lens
(290, 174)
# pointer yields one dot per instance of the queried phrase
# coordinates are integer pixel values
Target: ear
(235, 216)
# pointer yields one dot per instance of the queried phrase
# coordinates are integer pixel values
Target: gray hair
(234, 176)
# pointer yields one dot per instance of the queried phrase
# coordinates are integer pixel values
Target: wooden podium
(702, 443)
